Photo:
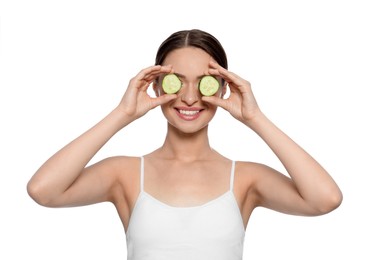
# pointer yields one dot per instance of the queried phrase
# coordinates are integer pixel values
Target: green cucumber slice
(209, 85)
(171, 84)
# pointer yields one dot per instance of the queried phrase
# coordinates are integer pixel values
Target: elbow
(336, 200)
(38, 193)
(331, 202)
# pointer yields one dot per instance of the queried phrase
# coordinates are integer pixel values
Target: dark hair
(194, 38)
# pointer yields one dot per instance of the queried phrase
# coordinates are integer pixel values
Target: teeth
(188, 112)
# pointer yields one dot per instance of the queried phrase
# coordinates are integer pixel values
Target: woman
(185, 200)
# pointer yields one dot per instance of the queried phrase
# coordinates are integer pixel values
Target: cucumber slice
(171, 84)
(209, 85)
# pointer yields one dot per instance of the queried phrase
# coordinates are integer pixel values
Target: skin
(185, 171)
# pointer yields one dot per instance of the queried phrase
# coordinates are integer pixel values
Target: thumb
(215, 101)
(163, 99)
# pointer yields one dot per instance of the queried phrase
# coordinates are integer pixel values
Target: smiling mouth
(188, 112)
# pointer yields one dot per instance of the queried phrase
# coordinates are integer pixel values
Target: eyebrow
(183, 76)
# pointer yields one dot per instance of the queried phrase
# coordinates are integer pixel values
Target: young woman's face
(188, 112)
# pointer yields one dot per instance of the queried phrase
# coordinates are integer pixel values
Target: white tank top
(211, 231)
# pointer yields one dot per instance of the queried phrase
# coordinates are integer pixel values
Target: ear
(224, 89)
(156, 88)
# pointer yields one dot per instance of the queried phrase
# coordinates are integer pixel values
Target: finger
(163, 99)
(214, 72)
(214, 65)
(144, 72)
(217, 70)
(234, 88)
(228, 76)
(213, 68)
(148, 73)
(216, 101)
(139, 80)
(156, 72)
(153, 76)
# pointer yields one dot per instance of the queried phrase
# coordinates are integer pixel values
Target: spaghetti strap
(181, 231)
(142, 174)
(232, 176)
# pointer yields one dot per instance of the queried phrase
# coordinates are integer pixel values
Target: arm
(63, 179)
(310, 190)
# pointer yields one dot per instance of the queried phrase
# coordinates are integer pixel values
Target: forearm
(312, 181)
(64, 167)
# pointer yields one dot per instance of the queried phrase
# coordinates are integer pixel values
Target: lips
(188, 114)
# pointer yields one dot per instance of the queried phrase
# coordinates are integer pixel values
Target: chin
(187, 129)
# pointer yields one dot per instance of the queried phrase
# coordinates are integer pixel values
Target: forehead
(188, 58)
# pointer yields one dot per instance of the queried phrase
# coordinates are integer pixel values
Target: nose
(190, 94)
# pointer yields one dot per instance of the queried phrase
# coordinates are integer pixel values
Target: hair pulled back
(192, 38)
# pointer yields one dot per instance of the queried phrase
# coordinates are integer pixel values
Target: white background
(66, 64)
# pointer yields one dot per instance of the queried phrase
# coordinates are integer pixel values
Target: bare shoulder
(248, 177)
(122, 165)
(121, 171)
(250, 172)
(270, 188)
(125, 168)
(254, 174)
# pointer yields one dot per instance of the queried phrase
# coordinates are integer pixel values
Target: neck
(186, 146)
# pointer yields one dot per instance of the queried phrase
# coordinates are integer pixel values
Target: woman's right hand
(136, 102)
(64, 179)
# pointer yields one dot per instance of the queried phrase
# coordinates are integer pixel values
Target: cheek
(166, 109)
(213, 109)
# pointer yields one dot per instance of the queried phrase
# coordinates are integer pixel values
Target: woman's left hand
(241, 103)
